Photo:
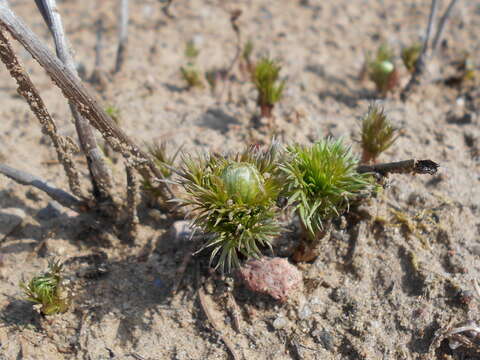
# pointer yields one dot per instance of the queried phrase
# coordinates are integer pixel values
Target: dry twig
(122, 36)
(132, 202)
(411, 166)
(84, 101)
(56, 194)
(99, 172)
(441, 25)
(420, 65)
(204, 302)
(49, 128)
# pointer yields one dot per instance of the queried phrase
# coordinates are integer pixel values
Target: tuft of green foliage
(47, 290)
(381, 70)
(191, 76)
(377, 133)
(191, 51)
(158, 151)
(113, 112)
(190, 73)
(270, 89)
(233, 199)
(321, 182)
(247, 52)
(410, 55)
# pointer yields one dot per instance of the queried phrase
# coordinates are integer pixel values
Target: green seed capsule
(386, 67)
(242, 181)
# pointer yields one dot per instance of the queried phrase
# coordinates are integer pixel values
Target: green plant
(158, 151)
(381, 70)
(270, 89)
(321, 181)
(191, 51)
(190, 73)
(377, 133)
(113, 112)
(410, 55)
(47, 290)
(233, 199)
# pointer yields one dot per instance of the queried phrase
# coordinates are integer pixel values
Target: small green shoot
(114, 113)
(321, 181)
(381, 70)
(410, 55)
(191, 51)
(165, 162)
(377, 133)
(47, 290)
(270, 89)
(233, 199)
(190, 73)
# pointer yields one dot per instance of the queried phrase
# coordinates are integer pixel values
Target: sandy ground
(379, 292)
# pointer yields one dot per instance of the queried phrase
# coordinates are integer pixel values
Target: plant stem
(420, 65)
(56, 194)
(32, 96)
(99, 172)
(122, 35)
(441, 25)
(411, 166)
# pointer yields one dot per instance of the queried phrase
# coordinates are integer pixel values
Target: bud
(242, 181)
(386, 67)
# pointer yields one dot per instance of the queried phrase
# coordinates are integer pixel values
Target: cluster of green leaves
(410, 55)
(47, 290)
(270, 89)
(165, 162)
(190, 73)
(381, 69)
(233, 198)
(321, 181)
(377, 133)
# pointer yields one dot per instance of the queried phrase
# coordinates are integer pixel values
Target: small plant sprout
(233, 199)
(381, 70)
(47, 290)
(246, 63)
(114, 113)
(410, 55)
(377, 133)
(321, 182)
(158, 151)
(270, 89)
(190, 73)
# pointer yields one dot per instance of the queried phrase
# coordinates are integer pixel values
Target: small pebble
(280, 322)
(305, 313)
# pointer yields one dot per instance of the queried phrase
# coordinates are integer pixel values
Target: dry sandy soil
(378, 292)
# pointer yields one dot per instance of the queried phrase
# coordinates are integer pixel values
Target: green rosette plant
(410, 55)
(321, 182)
(233, 199)
(47, 290)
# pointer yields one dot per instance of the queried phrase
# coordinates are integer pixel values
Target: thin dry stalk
(85, 101)
(411, 166)
(59, 195)
(420, 65)
(441, 25)
(49, 128)
(166, 9)
(99, 172)
(122, 36)
(204, 302)
(132, 202)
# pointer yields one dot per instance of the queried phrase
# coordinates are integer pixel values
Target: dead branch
(99, 172)
(76, 92)
(132, 202)
(122, 35)
(56, 194)
(420, 65)
(441, 25)
(49, 128)
(411, 166)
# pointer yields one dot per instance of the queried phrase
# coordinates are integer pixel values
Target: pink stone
(273, 276)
